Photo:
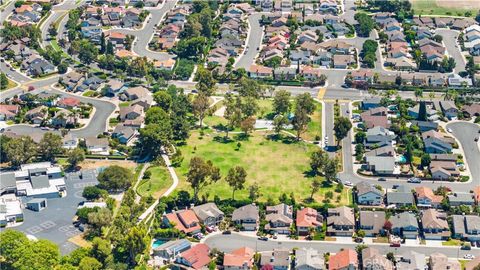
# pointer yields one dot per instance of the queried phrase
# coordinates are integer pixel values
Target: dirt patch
(94, 164)
(80, 241)
(464, 4)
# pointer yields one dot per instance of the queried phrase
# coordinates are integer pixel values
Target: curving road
(56, 12)
(144, 35)
(97, 125)
(255, 36)
(227, 243)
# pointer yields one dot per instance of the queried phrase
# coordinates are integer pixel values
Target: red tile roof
(197, 256)
(343, 259)
(183, 220)
(239, 257)
(71, 102)
(307, 217)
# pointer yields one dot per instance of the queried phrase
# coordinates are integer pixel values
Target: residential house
(196, 257)
(130, 112)
(284, 73)
(412, 260)
(278, 259)
(279, 218)
(372, 222)
(438, 135)
(63, 118)
(405, 225)
(441, 261)
(456, 80)
(97, 145)
(346, 259)
(426, 198)
(308, 219)
(37, 115)
(424, 126)
(436, 146)
(461, 198)
(370, 103)
(256, 71)
(368, 194)
(434, 225)
(381, 165)
(184, 220)
(449, 109)
(124, 134)
(309, 259)
(114, 87)
(134, 93)
(343, 61)
(471, 110)
(69, 141)
(68, 103)
(209, 214)
(466, 227)
(341, 221)
(247, 217)
(372, 259)
(170, 249)
(400, 197)
(239, 259)
(444, 170)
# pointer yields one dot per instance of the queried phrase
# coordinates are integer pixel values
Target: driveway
(55, 222)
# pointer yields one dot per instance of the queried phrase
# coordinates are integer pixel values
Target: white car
(449, 130)
(469, 256)
(348, 183)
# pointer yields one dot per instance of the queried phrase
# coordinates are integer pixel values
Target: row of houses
(167, 35)
(288, 6)
(233, 32)
(27, 60)
(113, 16)
(28, 13)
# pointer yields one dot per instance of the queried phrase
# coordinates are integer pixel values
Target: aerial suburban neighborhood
(240, 134)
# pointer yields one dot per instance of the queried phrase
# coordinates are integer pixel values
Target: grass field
(276, 166)
(156, 185)
(443, 7)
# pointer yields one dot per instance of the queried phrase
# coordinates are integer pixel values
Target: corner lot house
(247, 217)
(368, 194)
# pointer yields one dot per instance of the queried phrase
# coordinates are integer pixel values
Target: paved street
(227, 243)
(450, 41)
(254, 41)
(144, 35)
(329, 118)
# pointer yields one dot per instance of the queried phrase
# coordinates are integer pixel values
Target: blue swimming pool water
(402, 159)
(157, 243)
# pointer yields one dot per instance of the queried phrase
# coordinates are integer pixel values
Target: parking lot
(55, 222)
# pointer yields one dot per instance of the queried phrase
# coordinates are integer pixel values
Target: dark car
(395, 244)
(382, 179)
(358, 240)
(263, 238)
(227, 232)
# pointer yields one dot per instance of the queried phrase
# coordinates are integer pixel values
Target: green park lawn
(276, 166)
(157, 184)
(431, 7)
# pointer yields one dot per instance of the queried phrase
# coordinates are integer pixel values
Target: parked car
(263, 238)
(449, 130)
(358, 240)
(381, 179)
(227, 232)
(348, 183)
(395, 244)
(414, 180)
(469, 257)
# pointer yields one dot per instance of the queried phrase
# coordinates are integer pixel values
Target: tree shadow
(223, 139)
(241, 137)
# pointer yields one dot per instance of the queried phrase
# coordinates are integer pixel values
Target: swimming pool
(157, 242)
(402, 159)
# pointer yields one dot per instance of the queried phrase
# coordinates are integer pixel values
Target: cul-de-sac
(240, 134)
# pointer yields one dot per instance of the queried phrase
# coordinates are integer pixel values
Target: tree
(315, 186)
(418, 93)
(233, 112)
(281, 102)
(279, 122)
(115, 178)
(359, 151)
(11, 241)
(422, 112)
(341, 128)
(89, 263)
(87, 52)
(300, 121)
(154, 137)
(156, 115)
(206, 84)
(201, 174)
(236, 178)
(426, 159)
(75, 156)
(200, 107)
(3, 147)
(136, 242)
(50, 146)
(37, 255)
(3, 81)
(93, 193)
(318, 159)
(101, 250)
(163, 99)
(331, 169)
(52, 30)
(62, 68)
(254, 192)
(360, 137)
(100, 218)
(365, 24)
(247, 125)
(20, 150)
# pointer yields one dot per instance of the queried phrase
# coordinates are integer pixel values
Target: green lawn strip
(277, 167)
(452, 242)
(430, 7)
(88, 93)
(314, 129)
(156, 185)
(124, 104)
